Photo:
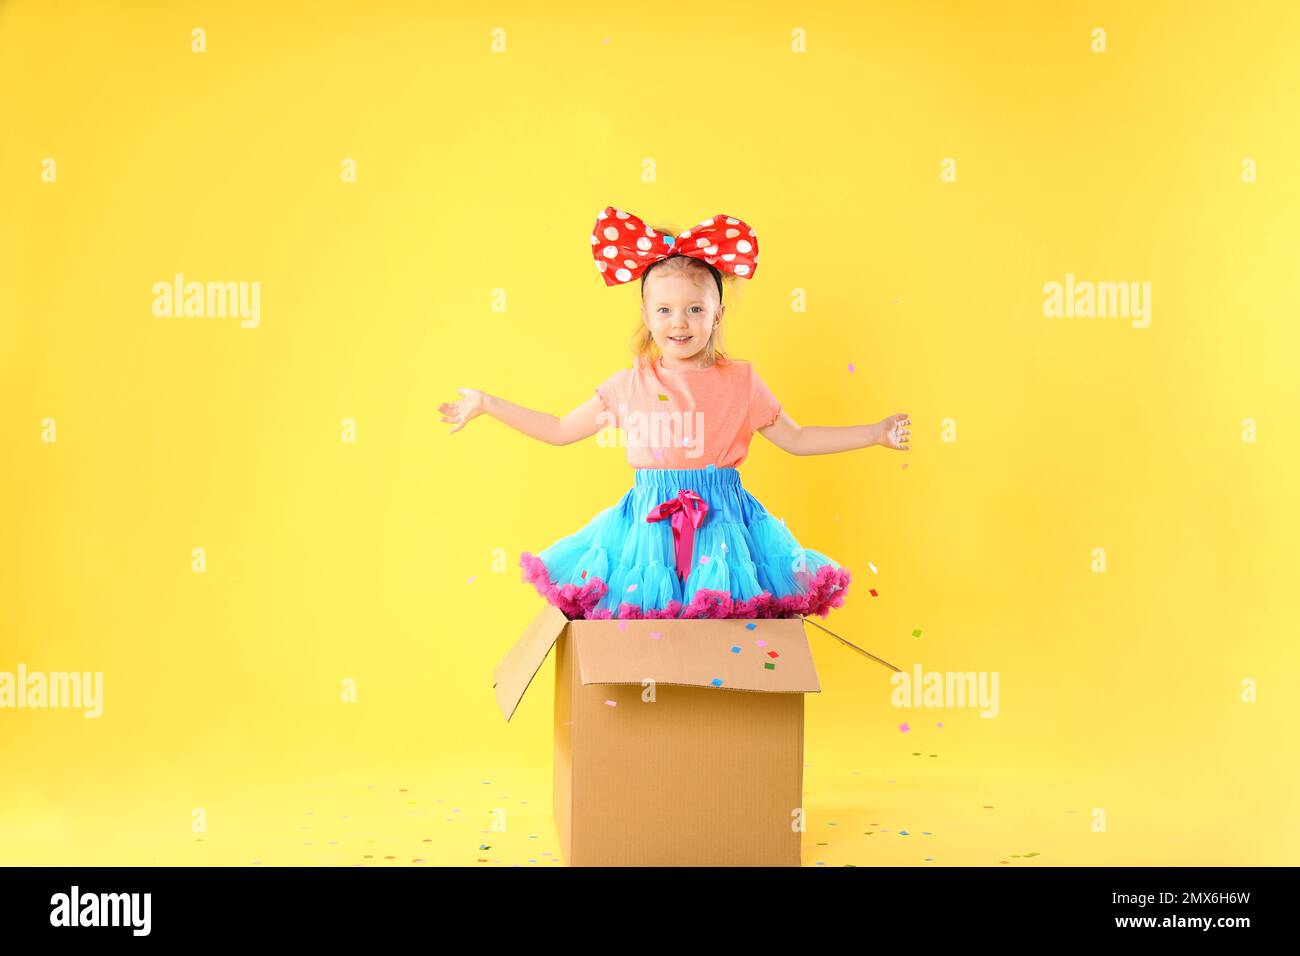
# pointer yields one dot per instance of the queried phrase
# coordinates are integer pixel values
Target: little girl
(687, 540)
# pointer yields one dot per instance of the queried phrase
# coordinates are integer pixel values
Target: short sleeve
(764, 409)
(613, 393)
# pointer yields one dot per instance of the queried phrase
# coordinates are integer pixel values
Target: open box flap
(516, 671)
(697, 653)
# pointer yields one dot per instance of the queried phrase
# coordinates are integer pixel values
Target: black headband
(717, 276)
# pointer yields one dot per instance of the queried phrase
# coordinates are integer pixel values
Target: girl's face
(680, 310)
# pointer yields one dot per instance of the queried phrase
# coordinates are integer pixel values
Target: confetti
(916, 633)
(1028, 855)
(631, 587)
(903, 833)
(773, 654)
(735, 649)
(750, 626)
(904, 728)
(704, 559)
(872, 592)
(584, 574)
(916, 753)
(904, 464)
(716, 682)
(768, 665)
(471, 579)
(654, 635)
(663, 398)
(850, 366)
(872, 567)
(622, 625)
(760, 643)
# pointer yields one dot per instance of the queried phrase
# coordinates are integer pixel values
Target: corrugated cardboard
(671, 748)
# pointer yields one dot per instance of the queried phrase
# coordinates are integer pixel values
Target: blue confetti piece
(716, 682)
(750, 626)
(903, 833)
(735, 650)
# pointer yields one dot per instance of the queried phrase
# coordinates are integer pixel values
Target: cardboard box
(677, 742)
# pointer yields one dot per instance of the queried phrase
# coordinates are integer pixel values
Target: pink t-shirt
(688, 418)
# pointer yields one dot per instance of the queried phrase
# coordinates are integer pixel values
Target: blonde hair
(643, 343)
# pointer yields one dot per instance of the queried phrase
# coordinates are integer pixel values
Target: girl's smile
(681, 310)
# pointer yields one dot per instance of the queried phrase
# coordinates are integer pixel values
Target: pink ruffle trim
(578, 601)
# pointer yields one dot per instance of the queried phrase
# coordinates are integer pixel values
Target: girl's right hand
(472, 405)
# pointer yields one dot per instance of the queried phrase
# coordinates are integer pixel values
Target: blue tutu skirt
(710, 550)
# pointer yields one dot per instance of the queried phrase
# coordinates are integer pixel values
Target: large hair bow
(624, 246)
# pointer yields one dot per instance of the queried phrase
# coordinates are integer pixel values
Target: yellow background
(480, 171)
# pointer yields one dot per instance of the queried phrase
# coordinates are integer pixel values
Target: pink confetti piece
(622, 625)
(655, 635)
(851, 367)
(471, 579)
(904, 728)
(760, 643)
(611, 703)
(631, 587)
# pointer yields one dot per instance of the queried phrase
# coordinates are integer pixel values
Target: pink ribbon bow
(686, 512)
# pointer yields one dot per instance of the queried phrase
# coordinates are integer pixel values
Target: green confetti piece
(1028, 855)
(916, 633)
(769, 666)
(663, 398)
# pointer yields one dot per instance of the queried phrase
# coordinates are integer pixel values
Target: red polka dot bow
(624, 246)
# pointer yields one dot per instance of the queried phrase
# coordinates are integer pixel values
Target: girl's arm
(891, 432)
(583, 422)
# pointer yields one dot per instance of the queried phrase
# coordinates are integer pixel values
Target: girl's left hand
(894, 432)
